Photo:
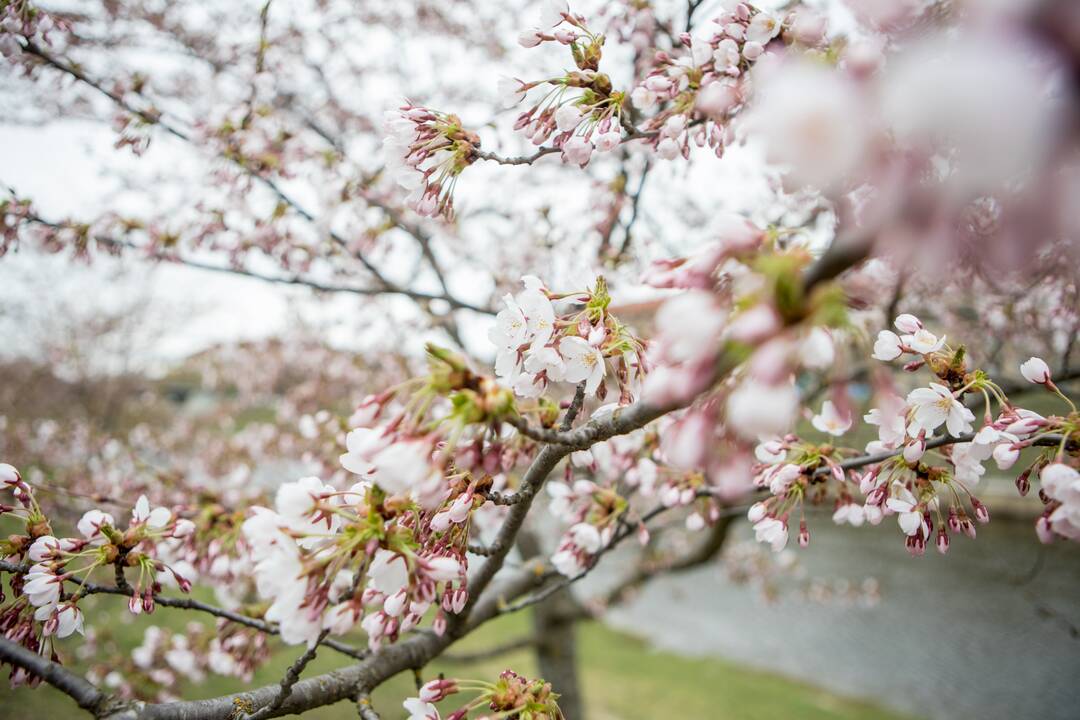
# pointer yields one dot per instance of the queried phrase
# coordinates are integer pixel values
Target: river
(988, 631)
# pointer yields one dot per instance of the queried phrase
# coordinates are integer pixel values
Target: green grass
(623, 678)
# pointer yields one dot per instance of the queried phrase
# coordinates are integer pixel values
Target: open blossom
(418, 709)
(763, 28)
(511, 326)
(817, 350)
(362, 445)
(813, 121)
(967, 460)
(8, 474)
(44, 548)
(851, 513)
(689, 327)
(891, 419)
(157, 518)
(1035, 370)
(69, 620)
(906, 507)
(583, 363)
(936, 405)
(1061, 484)
(772, 532)
(924, 342)
(830, 421)
(580, 542)
(42, 586)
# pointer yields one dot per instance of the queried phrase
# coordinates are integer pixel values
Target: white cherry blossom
(905, 506)
(935, 405)
(830, 421)
(583, 363)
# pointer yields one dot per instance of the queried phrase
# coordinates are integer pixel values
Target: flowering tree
(916, 175)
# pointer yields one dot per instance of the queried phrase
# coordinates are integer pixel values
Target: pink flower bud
(1023, 482)
(915, 449)
(942, 541)
(804, 534)
(982, 514)
(907, 323)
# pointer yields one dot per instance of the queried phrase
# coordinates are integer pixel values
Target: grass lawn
(623, 679)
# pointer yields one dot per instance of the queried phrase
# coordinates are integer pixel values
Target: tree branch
(170, 257)
(365, 708)
(156, 119)
(416, 651)
(82, 692)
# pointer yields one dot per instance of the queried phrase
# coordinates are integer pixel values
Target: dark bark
(555, 633)
(555, 625)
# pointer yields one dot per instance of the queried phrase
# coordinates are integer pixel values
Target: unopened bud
(942, 541)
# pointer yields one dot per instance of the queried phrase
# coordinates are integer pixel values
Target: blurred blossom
(813, 120)
(981, 102)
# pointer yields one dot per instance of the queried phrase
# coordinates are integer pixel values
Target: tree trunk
(555, 631)
(555, 625)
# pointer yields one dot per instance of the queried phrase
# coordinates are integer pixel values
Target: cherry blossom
(935, 405)
(830, 421)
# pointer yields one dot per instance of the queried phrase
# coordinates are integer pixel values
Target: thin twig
(292, 675)
(365, 708)
(198, 606)
(491, 652)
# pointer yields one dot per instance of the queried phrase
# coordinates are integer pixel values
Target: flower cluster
(426, 151)
(699, 92)
(42, 609)
(384, 551)
(581, 111)
(921, 495)
(20, 18)
(512, 695)
(536, 347)
(329, 560)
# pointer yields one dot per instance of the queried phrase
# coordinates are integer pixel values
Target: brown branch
(87, 696)
(156, 119)
(705, 552)
(531, 482)
(416, 651)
